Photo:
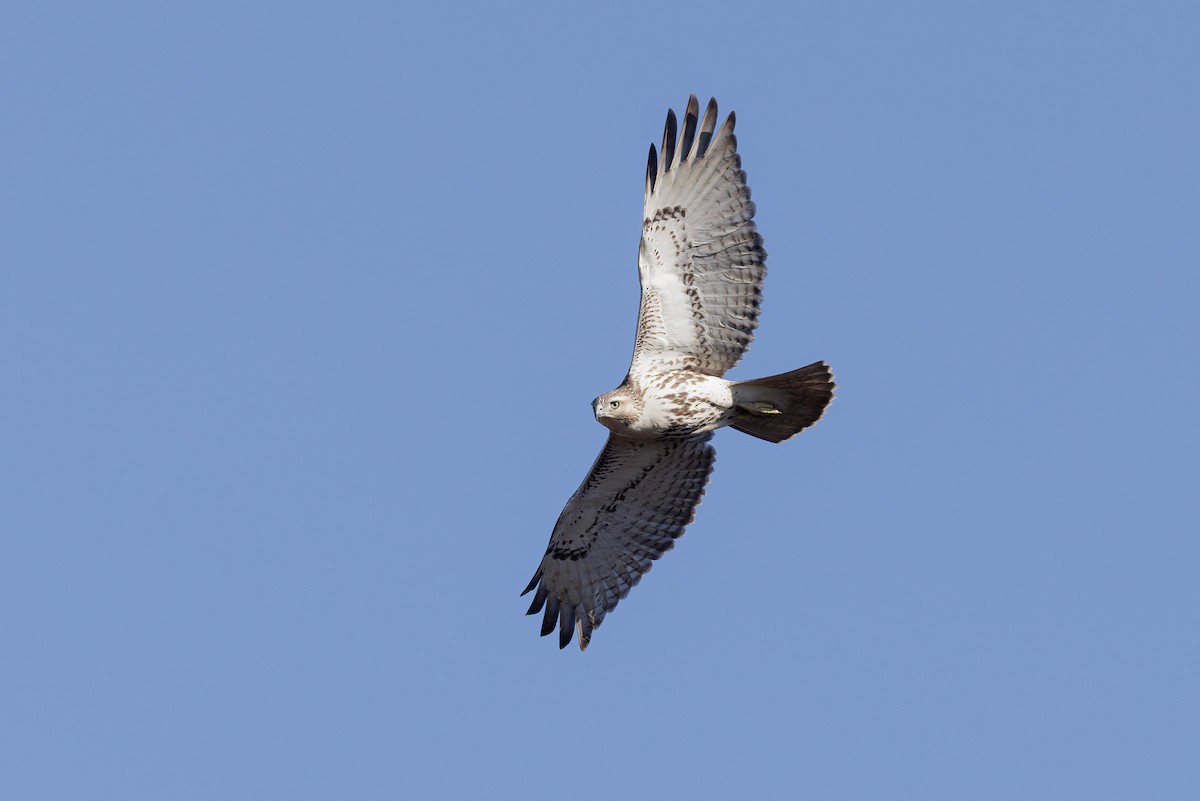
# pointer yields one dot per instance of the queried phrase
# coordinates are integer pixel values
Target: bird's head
(619, 409)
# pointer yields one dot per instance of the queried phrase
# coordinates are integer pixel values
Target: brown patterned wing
(635, 502)
(701, 260)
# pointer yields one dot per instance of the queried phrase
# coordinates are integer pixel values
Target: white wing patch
(636, 500)
(701, 261)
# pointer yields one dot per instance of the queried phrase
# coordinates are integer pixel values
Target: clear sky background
(302, 309)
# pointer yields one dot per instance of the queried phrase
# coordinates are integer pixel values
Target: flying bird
(701, 265)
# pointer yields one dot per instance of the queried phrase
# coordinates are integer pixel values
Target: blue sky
(302, 310)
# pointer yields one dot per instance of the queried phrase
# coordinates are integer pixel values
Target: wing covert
(635, 502)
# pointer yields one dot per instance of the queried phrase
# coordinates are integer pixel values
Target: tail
(781, 406)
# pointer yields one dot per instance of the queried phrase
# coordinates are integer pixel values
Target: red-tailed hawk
(701, 269)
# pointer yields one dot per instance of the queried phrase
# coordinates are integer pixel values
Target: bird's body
(673, 403)
(701, 265)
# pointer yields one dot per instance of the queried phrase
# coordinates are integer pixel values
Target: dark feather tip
(668, 145)
(690, 118)
(707, 127)
(538, 599)
(532, 583)
(550, 621)
(566, 626)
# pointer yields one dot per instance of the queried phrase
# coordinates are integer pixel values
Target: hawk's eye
(614, 404)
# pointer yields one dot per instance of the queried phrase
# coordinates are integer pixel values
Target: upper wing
(701, 261)
(638, 497)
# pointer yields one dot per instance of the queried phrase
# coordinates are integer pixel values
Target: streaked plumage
(701, 265)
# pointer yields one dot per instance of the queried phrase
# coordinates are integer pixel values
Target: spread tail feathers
(780, 406)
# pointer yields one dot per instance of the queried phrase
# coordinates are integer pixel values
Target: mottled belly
(679, 403)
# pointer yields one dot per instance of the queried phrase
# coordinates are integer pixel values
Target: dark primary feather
(539, 597)
(551, 618)
(689, 129)
(668, 145)
(566, 626)
(651, 169)
(707, 127)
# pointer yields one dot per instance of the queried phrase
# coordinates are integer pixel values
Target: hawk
(701, 265)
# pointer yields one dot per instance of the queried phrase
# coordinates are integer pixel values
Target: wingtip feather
(651, 169)
(688, 138)
(537, 576)
(550, 620)
(566, 626)
(539, 598)
(668, 143)
(707, 127)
